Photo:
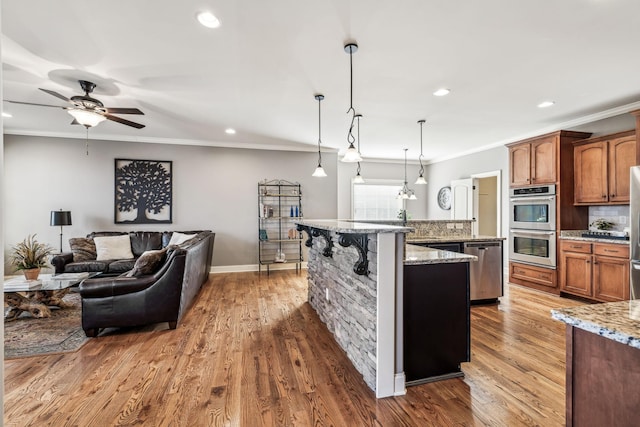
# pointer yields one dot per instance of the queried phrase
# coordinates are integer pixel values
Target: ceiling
(259, 71)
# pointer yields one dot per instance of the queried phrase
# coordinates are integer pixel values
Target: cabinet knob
(613, 195)
(604, 196)
(588, 262)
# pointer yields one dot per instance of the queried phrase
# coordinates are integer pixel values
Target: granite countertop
(618, 321)
(577, 235)
(343, 226)
(417, 255)
(447, 239)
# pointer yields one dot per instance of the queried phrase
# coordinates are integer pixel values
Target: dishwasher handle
(482, 245)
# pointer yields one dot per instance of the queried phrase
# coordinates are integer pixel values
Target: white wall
(213, 188)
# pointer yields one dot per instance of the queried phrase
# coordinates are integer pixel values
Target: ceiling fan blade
(124, 121)
(56, 94)
(32, 103)
(75, 122)
(124, 111)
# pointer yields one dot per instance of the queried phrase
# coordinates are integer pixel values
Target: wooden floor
(252, 352)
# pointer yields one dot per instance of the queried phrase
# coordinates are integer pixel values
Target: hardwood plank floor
(252, 352)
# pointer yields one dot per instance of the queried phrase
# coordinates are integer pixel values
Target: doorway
(488, 209)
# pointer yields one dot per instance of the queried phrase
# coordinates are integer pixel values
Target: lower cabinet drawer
(618, 251)
(529, 273)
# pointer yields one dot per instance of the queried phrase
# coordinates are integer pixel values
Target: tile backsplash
(619, 215)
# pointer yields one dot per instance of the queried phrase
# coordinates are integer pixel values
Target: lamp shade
(86, 117)
(60, 218)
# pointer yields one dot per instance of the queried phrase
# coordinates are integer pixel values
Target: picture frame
(143, 192)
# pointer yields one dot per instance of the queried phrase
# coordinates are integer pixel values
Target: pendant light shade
(358, 179)
(319, 172)
(351, 155)
(421, 180)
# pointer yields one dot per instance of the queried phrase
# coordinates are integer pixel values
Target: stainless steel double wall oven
(532, 221)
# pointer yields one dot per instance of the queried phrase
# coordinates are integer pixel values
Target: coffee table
(35, 296)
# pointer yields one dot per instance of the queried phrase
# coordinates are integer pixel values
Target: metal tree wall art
(143, 191)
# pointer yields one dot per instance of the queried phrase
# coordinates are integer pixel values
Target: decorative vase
(31, 273)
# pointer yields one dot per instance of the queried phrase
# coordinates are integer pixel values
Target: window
(376, 200)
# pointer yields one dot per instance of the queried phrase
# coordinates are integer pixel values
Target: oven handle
(535, 199)
(545, 233)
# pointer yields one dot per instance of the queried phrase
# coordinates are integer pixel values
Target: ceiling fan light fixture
(86, 117)
(208, 19)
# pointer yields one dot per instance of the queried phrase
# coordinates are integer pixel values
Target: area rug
(60, 333)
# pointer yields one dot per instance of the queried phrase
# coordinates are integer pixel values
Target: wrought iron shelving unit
(279, 242)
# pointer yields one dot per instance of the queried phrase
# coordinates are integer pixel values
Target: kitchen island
(603, 363)
(356, 274)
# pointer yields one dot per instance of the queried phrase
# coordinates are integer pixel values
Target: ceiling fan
(88, 111)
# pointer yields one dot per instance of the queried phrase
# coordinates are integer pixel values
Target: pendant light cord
(420, 158)
(87, 141)
(358, 170)
(319, 98)
(350, 138)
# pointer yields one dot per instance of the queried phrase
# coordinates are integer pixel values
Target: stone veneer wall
(350, 313)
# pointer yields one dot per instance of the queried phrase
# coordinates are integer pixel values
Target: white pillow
(180, 238)
(113, 247)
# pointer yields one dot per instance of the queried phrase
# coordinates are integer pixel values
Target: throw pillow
(148, 263)
(113, 247)
(83, 249)
(179, 238)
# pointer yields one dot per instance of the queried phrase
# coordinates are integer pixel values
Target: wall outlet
(450, 225)
(459, 226)
(326, 294)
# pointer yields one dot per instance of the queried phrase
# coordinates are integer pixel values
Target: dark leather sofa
(141, 241)
(164, 296)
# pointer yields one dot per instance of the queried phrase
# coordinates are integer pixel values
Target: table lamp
(61, 218)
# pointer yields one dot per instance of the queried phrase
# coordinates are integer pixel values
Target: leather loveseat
(163, 296)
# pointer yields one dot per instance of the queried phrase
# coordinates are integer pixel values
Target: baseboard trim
(252, 267)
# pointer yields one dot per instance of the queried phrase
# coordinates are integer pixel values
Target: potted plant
(30, 256)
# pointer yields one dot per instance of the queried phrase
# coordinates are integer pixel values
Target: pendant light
(319, 172)
(351, 155)
(358, 178)
(406, 193)
(421, 180)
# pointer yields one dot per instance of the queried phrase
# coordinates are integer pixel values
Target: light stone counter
(447, 239)
(617, 321)
(421, 255)
(577, 235)
(343, 226)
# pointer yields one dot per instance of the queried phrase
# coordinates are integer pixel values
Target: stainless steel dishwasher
(486, 278)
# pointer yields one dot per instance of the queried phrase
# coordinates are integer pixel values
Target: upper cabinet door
(622, 155)
(520, 165)
(543, 161)
(590, 173)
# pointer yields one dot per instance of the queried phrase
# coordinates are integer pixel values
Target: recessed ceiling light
(442, 92)
(208, 19)
(545, 104)
(6, 114)
(230, 131)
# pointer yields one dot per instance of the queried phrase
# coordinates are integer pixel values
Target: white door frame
(498, 175)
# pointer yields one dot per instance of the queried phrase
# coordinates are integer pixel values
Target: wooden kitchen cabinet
(540, 278)
(533, 162)
(598, 271)
(601, 168)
